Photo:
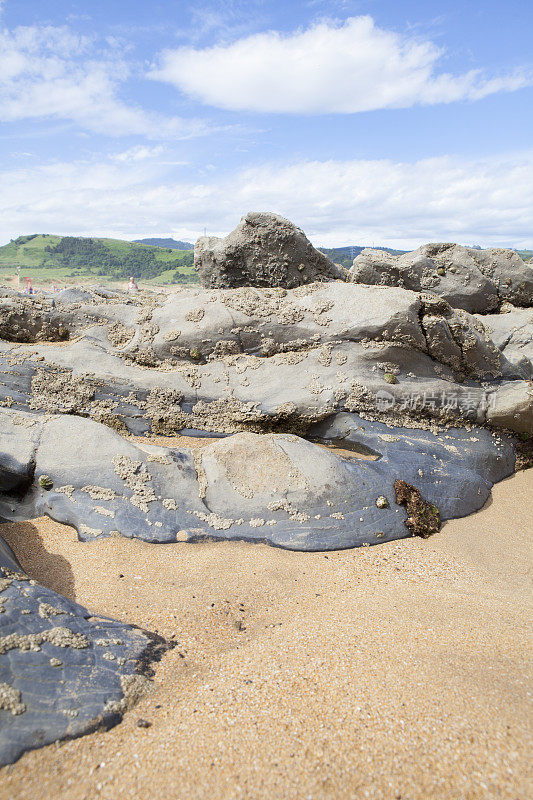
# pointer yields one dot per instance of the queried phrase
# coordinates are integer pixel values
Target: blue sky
(364, 122)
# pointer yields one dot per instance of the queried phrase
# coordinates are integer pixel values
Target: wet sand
(397, 671)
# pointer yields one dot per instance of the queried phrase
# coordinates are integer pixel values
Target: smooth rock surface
(276, 488)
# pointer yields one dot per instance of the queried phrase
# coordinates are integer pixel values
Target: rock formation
(343, 414)
(512, 332)
(260, 360)
(473, 280)
(263, 250)
(63, 671)
(276, 488)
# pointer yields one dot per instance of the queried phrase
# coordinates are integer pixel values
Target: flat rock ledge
(275, 488)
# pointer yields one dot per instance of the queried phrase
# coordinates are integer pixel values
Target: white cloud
(48, 72)
(329, 68)
(138, 153)
(487, 201)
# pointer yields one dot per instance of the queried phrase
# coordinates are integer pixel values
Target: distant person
(132, 286)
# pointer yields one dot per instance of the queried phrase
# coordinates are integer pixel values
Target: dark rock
(275, 488)
(63, 671)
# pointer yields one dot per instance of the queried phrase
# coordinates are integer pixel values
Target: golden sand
(397, 671)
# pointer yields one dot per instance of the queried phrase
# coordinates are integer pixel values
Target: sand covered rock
(263, 250)
(470, 279)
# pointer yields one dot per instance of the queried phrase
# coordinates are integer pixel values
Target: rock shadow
(49, 569)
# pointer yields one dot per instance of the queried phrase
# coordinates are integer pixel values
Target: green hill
(45, 256)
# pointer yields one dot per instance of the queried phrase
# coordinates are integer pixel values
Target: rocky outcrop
(260, 360)
(467, 278)
(277, 488)
(26, 320)
(264, 250)
(345, 415)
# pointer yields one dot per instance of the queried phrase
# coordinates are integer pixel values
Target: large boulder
(263, 250)
(470, 279)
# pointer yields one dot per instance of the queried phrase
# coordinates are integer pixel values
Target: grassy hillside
(26, 251)
(55, 258)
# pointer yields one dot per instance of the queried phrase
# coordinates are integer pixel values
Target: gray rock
(512, 332)
(469, 279)
(261, 360)
(276, 488)
(264, 250)
(63, 671)
(512, 407)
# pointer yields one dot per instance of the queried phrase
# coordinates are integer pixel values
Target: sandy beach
(395, 671)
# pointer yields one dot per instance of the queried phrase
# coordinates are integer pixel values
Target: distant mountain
(76, 256)
(346, 255)
(170, 244)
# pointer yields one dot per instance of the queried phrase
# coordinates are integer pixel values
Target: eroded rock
(277, 488)
(264, 250)
(320, 349)
(395, 388)
(469, 279)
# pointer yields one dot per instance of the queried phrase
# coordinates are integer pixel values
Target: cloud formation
(487, 201)
(50, 73)
(328, 68)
